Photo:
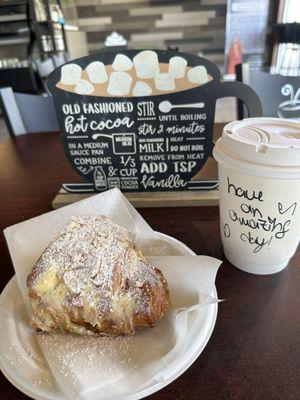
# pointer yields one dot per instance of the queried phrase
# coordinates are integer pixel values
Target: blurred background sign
(246, 27)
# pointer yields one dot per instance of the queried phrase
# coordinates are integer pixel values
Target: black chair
(279, 95)
(26, 113)
(20, 79)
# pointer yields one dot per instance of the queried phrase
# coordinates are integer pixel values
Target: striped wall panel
(193, 26)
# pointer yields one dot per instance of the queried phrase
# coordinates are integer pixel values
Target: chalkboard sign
(279, 95)
(140, 120)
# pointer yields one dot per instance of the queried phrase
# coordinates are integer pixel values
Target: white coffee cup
(259, 189)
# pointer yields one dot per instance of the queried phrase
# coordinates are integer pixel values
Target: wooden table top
(254, 351)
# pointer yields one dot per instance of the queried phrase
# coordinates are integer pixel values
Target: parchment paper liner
(104, 368)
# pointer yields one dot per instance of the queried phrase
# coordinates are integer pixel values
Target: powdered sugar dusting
(84, 362)
(86, 351)
(101, 272)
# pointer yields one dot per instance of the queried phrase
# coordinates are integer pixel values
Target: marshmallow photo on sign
(141, 120)
(143, 74)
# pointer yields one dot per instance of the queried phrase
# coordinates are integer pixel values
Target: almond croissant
(91, 279)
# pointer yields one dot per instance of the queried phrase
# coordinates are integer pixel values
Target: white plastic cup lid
(265, 141)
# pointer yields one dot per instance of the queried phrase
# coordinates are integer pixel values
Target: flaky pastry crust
(92, 280)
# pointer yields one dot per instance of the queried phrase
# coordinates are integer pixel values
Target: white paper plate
(25, 367)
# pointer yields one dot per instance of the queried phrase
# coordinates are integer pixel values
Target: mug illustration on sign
(291, 107)
(145, 117)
